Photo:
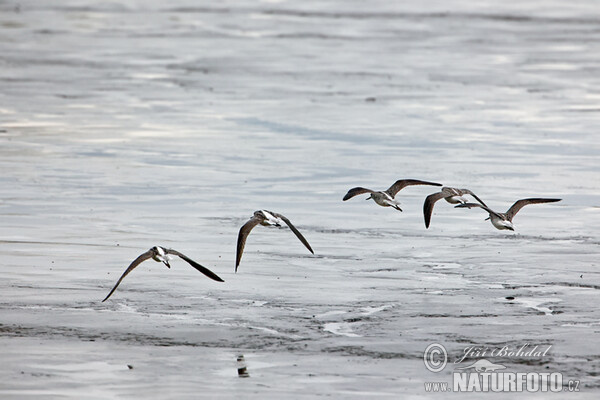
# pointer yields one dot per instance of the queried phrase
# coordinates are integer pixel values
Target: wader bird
(386, 198)
(266, 218)
(504, 220)
(451, 195)
(160, 254)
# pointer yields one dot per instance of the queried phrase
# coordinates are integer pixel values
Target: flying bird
(504, 220)
(160, 254)
(386, 198)
(451, 195)
(266, 218)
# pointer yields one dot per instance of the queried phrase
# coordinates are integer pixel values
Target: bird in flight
(160, 254)
(386, 198)
(266, 218)
(504, 220)
(451, 195)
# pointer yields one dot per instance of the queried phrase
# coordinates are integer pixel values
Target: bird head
(508, 225)
(161, 255)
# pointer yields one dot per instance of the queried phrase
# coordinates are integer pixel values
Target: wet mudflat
(127, 125)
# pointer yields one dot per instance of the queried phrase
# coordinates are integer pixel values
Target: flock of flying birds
(385, 198)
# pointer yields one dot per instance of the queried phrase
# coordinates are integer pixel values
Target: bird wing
(241, 242)
(402, 183)
(449, 191)
(355, 192)
(296, 231)
(467, 191)
(486, 208)
(428, 206)
(141, 258)
(514, 209)
(194, 264)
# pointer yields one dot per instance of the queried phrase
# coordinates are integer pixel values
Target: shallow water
(125, 125)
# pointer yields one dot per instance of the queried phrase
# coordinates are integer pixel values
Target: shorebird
(504, 220)
(451, 195)
(386, 198)
(160, 254)
(266, 218)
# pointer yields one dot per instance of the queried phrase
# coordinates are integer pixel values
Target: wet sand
(123, 126)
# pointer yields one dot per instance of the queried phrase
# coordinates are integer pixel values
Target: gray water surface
(134, 123)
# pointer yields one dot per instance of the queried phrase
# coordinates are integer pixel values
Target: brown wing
(355, 192)
(143, 257)
(296, 231)
(194, 264)
(402, 183)
(241, 242)
(467, 191)
(486, 208)
(514, 209)
(449, 191)
(428, 206)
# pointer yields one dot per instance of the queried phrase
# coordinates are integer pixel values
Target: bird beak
(512, 229)
(486, 218)
(369, 198)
